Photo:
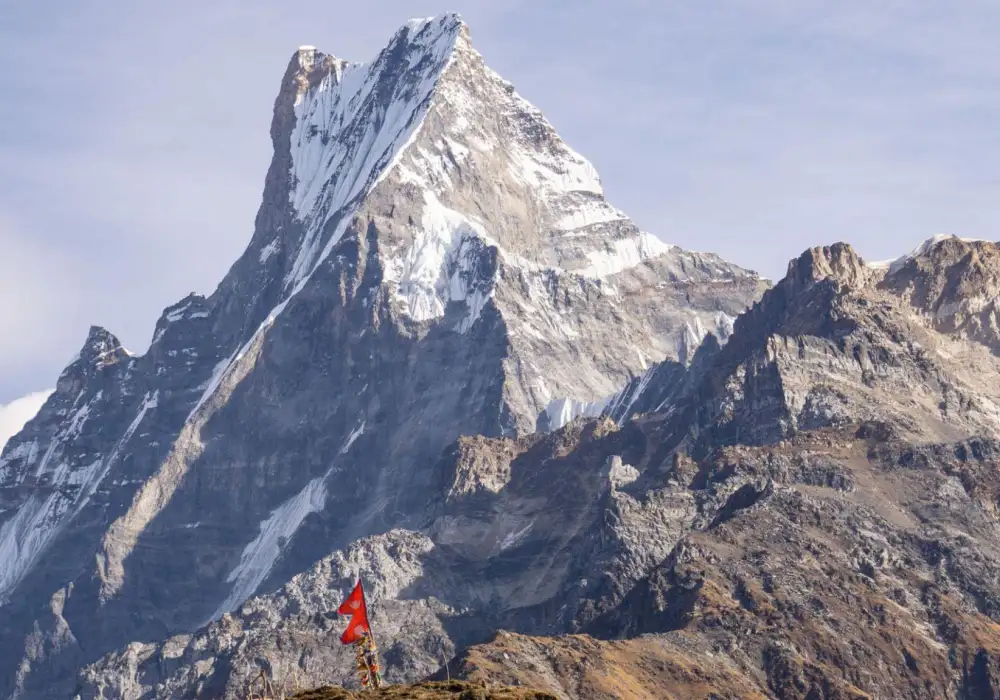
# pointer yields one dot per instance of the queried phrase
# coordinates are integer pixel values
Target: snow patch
(213, 382)
(694, 332)
(440, 265)
(643, 365)
(562, 412)
(514, 538)
(76, 421)
(590, 212)
(346, 139)
(690, 340)
(417, 23)
(267, 251)
(621, 254)
(355, 434)
(619, 407)
(24, 537)
(566, 172)
(725, 325)
(26, 451)
(175, 314)
(259, 556)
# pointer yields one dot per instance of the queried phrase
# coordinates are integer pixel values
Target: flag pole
(376, 675)
(364, 599)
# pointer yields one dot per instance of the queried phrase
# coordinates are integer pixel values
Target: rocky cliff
(808, 511)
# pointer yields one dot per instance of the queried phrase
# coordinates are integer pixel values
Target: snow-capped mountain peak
(352, 123)
(429, 260)
(429, 111)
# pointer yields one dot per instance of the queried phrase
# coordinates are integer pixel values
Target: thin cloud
(14, 415)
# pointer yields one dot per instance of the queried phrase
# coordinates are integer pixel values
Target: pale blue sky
(134, 135)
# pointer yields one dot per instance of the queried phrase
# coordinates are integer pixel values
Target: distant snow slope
(15, 414)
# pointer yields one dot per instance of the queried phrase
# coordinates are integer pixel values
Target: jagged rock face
(506, 544)
(838, 341)
(839, 565)
(430, 260)
(811, 507)
(841, 562)
(953, 285)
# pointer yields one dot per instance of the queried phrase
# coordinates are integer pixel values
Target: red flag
(355, 606)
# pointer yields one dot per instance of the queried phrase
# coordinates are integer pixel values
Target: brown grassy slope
(450, 690)
(578, 666)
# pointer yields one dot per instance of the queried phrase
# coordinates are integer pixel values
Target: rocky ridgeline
(812, 513)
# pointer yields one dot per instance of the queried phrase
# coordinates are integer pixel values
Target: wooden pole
(376, 676)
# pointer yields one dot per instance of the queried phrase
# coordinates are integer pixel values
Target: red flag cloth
(355, 606)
